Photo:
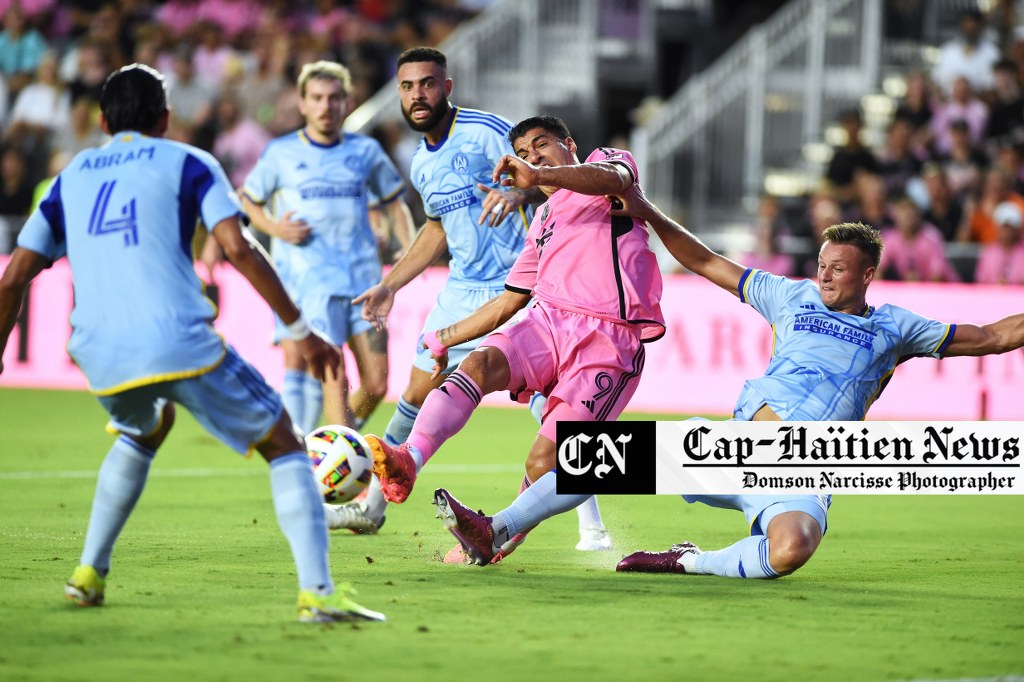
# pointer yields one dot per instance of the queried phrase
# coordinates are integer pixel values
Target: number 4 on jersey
(99, 224)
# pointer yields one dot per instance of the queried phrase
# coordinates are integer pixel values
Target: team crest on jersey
(354, 163)
(460, 162)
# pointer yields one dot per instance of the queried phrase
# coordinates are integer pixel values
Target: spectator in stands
(962, 105)
(190, 99)
(914, 250)
(766, 254)
(236, 17)
(212, 55)
(964, 164)
(239, 141)
(970, 55)
(945, 210)
(262, 85)
(41, 108)
(981, 224)
(1010, 159)
(897, 163)
(37, 12)
(917, 108)
(1006, 114)
(94, 60)
(4, 100)
(1002, 262)
(179, 16)
(849, 159)
(21, 49)
(15, 184)
(83, 131)
(872, 207)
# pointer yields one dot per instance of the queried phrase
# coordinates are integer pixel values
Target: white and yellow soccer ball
(342, 462)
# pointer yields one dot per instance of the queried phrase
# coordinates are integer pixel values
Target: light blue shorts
(455, 302)
(333, 316)
(232, 401)
(761, 509)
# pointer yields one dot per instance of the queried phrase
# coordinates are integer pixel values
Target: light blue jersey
(124, 214)
(328, 187)
(827, 365)
(446, 175)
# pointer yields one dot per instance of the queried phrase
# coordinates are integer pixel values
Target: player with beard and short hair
(481, 225)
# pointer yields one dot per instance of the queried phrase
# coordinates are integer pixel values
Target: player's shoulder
(358, 142)
(611, 154)
(186, 150)
(482, 121)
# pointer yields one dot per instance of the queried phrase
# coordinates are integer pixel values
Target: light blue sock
(313, 402)
(293, 397)
(400, 426)
(588, 513)
(300, 513)
(118, 486)
(748, 558)
(536, 503)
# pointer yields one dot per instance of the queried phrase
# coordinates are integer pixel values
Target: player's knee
(540, 461)
(375, 386)
(283, 440)
(154, 440)
(791, 550)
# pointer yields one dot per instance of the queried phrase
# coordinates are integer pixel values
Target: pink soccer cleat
(394, 467)
(669, 561)
(472, 529)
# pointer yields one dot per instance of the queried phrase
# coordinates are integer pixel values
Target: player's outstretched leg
(396, 467)
(676, 559)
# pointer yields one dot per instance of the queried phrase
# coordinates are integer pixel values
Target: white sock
(589, 514)
(748, 558)
(300, 513)
(118, 487)
(294, 398)
(536, 503)
(312, 401)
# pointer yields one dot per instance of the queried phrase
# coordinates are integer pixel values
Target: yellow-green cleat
(333, 608)
(85, 587)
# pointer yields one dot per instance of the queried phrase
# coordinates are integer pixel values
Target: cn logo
(574, 457)
(605, 458)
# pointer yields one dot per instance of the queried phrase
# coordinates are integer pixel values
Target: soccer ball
(342, 463)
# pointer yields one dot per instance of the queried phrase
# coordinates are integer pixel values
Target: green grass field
(203, 587)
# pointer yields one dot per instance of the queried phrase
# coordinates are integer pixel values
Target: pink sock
(445, 411)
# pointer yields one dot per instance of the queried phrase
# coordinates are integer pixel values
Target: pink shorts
(591, 365)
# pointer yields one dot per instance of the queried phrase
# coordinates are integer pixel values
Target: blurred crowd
(231, 67)
(950, 168)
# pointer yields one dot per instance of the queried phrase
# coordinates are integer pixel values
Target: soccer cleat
(333, 608)
(85, 587)
(594, 540)
(669, 561)
(472, 530)
(350, 516)
(395, 468)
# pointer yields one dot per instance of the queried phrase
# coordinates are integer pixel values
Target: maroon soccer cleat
(658, 562)
(472, 529)
(394, 467)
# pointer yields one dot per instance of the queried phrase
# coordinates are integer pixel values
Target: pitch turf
(203, 586)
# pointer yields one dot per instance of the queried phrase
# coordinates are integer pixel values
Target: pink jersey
(580, 258)
(999, 265)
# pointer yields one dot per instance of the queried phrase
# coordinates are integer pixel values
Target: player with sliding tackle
(813, 375)
(596, 285)
(124, 215)
(481, 224)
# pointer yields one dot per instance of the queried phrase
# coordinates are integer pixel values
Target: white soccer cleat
(594, 540)
(351, 516)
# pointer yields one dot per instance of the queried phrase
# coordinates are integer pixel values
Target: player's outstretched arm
(288, 228)
(22, 268)
(483, 320)
(691, 252)
(989, 339)
(425, 249)
(252, 262)
(596, 178)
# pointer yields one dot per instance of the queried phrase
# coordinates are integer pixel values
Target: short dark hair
(133, 98)
(865, 238)
(423, 54)
(551, 124)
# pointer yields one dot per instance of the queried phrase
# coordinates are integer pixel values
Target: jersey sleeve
(384, 180)
(204, 183)
(262, 180)
(765, 292)
(612, 155)
(522, 278)
(922, 336)
(43, 232)
(494, 143)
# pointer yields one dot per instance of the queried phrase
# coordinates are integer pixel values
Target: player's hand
(377, 302)
(633, 202)
(518, 173)
(497, 205)
(321, 355)
(291, 230)
(438, 351)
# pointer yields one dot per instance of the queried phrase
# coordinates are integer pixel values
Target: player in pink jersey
(596, 285)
